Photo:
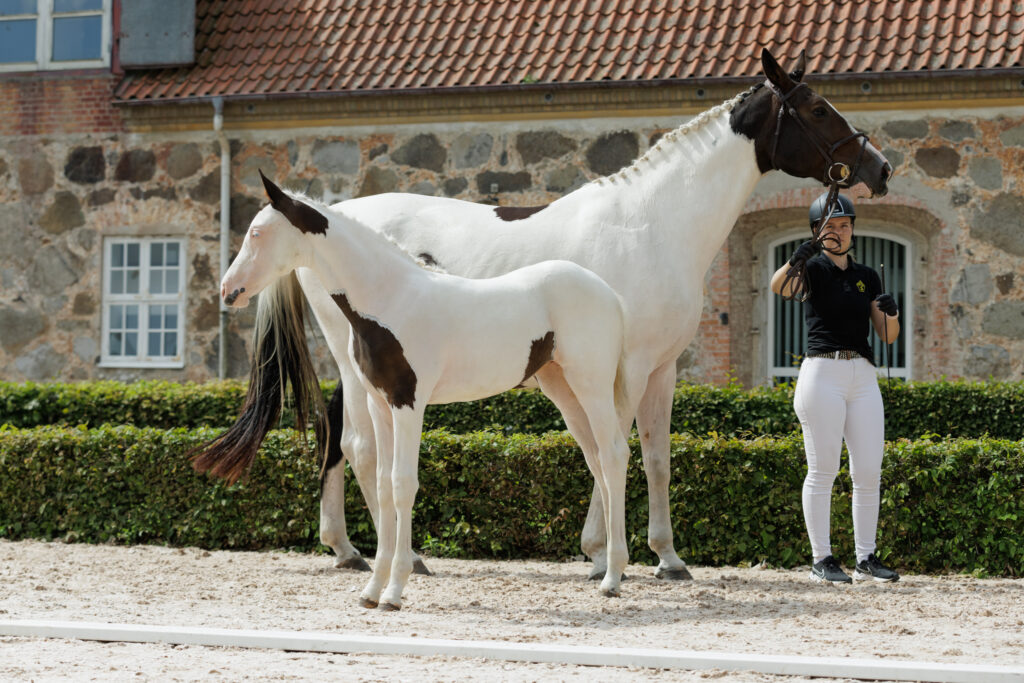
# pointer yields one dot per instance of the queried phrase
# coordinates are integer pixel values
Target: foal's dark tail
(281, 357)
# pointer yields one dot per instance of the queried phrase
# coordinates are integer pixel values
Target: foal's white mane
(332, 216)
(692, 126)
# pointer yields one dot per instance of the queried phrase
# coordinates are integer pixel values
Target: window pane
(17, 41)
(132, 284)
(154, 344)
(170, 343)
(172, 253)
(131, 347)
(156, 282)
(131, 317)
(10, 7)
(76, 5)
(117, 282)
(156, 254)
(77, 38)
(117, 255)
(171, 283)
(155, 317)
(133, 255)
(115, 344)
(170, 317)
(116, 317)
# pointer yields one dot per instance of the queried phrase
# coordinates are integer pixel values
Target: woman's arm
(887, 327)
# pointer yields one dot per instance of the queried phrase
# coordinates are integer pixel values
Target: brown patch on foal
(517, 213)
(541, 352)
(380, 356)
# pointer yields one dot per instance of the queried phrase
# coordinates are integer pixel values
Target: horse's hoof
(367, 603)
(611, 592)
(680, 574)
(419, 568)
(597, 576)
(389, 607)
(355, 562)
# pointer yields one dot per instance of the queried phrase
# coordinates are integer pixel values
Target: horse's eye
(255, 233)
(819, 112)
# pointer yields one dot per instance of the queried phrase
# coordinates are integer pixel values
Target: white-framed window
(143, 302)
(787, 331)
(54, 34)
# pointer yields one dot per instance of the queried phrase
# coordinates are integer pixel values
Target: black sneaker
(828, 571)
(871, 568)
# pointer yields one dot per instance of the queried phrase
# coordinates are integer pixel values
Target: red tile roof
(267, 47)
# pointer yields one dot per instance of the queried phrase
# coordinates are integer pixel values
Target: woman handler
(837, 394)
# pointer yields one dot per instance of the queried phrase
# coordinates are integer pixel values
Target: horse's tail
(281, 357)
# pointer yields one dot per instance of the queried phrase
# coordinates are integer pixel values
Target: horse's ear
(797, 74)
(301, 215)
(775, 73)
(274, 193)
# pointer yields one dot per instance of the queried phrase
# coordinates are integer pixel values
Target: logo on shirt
(861, 287)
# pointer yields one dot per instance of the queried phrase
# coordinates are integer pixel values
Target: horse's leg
(405, 482)
(653, 420)
(597, 401)
(333, 531)
(386, 519)
(552, 383)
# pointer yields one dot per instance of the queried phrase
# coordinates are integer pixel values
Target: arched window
(787, 332)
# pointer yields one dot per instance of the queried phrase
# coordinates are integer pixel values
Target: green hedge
(946, 506)
(913, 409)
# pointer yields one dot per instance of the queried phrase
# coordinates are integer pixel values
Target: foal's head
(809, 138)
(272, 247)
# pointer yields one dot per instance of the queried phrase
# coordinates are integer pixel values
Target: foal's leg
(596, 397)
(348, 428)
(594, 540)
(653, 420)
(386, 518)
(405, 482)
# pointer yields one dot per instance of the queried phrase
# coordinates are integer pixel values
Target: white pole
(837, 667)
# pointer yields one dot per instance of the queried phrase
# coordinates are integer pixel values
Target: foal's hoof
(419, 568)
(678, 574)
(355, 562)
(389, 607)
(367, 603)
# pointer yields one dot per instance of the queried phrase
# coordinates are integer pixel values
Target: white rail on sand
(841, 667)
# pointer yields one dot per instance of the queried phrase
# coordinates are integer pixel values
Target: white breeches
(836, 400)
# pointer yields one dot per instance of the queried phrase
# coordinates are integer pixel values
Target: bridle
(836, 172)
(837, 175)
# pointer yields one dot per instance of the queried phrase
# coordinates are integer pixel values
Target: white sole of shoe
(857, 576)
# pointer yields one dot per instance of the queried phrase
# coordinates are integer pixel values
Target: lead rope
(798, 271)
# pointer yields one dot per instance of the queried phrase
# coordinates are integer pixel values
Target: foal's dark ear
(797, 74)
(775, 73)
(301, 215)
(274, 193)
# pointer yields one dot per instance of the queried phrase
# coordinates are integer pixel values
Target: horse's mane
(330, 214)
(693, 125)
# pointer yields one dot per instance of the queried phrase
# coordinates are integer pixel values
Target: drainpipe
(225, 227)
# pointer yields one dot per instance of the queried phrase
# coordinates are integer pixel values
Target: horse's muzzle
(229, 299)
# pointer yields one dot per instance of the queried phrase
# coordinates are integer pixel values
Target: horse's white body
(650, 232)
(462, 339)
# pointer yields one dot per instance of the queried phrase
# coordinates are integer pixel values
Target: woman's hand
(887, 304)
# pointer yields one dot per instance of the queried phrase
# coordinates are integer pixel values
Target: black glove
(887, 304)
(804, 253)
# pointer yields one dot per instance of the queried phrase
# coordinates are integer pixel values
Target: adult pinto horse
(650, 231)
(421, 337)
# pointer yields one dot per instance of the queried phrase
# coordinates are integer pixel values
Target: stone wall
(61, 194)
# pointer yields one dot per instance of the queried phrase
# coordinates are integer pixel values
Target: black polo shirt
(838, 312)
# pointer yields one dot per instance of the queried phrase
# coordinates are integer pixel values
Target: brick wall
(44, 104)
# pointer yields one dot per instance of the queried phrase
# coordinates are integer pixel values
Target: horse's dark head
(797, 131)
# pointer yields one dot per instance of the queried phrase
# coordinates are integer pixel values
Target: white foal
(421, 337)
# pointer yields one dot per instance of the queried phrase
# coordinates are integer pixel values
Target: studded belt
(845, 354)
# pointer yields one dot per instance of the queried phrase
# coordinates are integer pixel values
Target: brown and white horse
(650, 231)
(420, 337)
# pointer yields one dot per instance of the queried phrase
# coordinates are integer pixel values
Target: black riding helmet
(844, 207)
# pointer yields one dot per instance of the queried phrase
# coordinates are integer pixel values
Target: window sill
(142, 365)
